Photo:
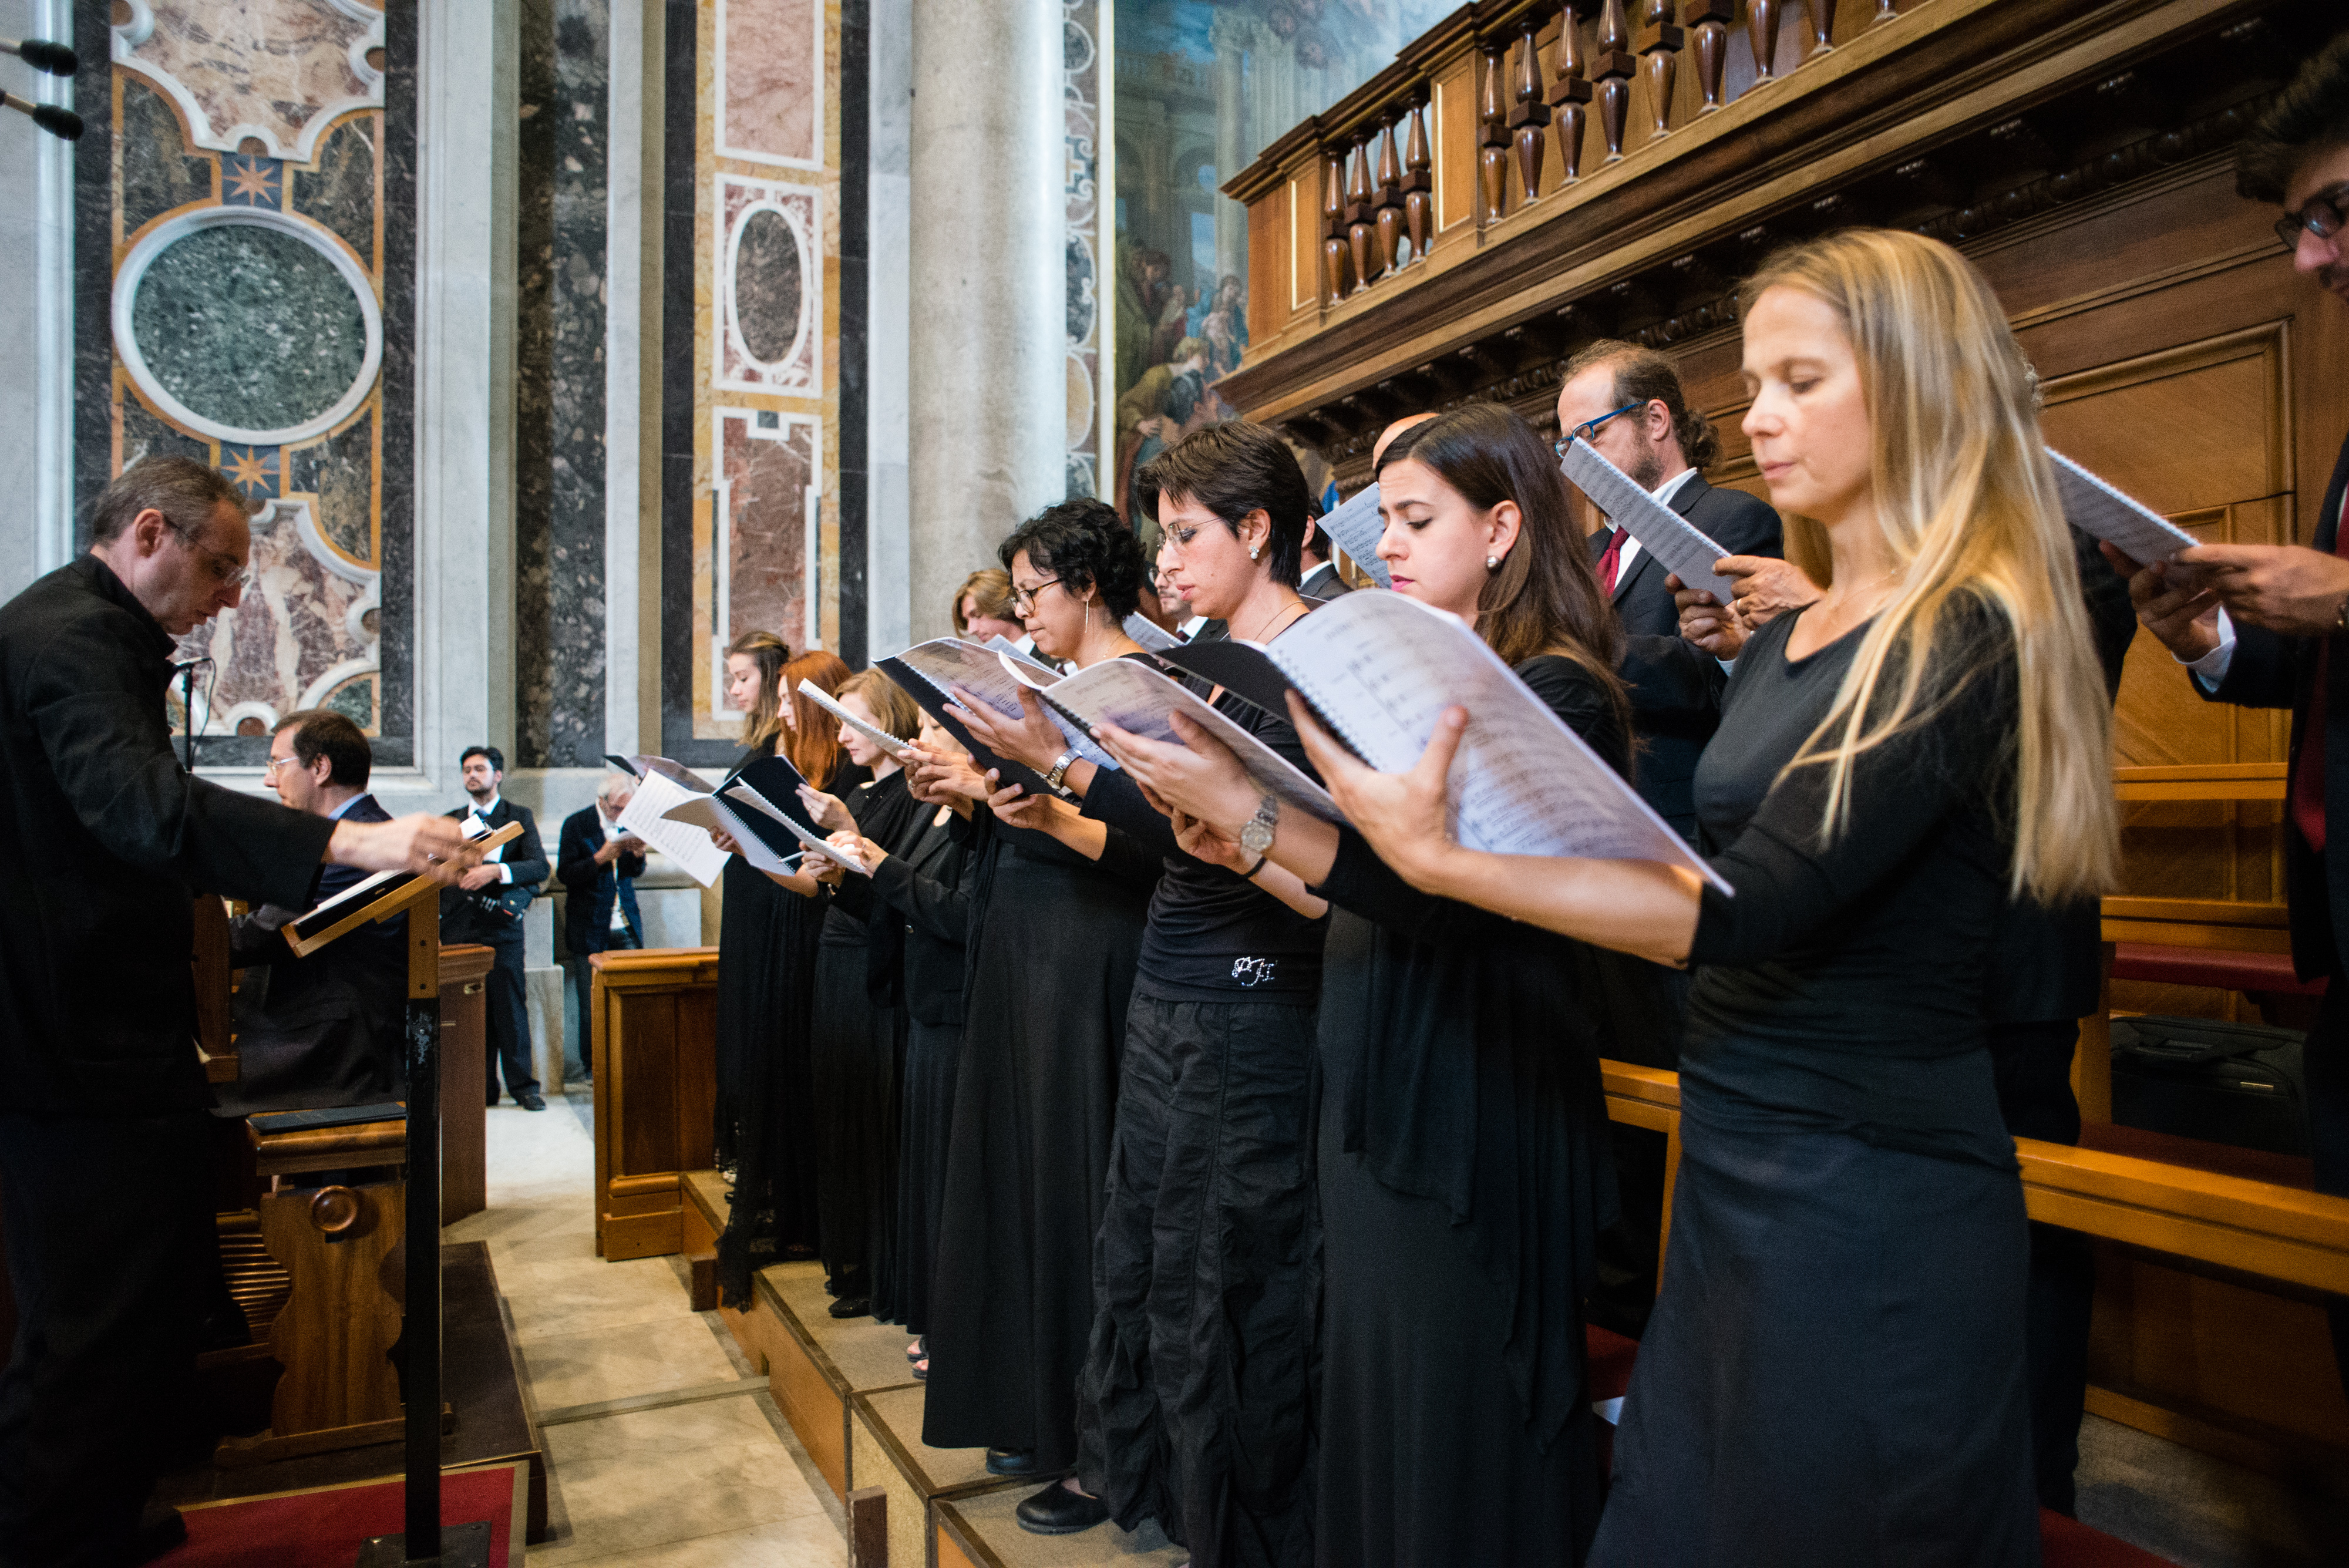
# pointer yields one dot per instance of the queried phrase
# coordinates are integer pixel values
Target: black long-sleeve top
(1842, 988)
(1214, 935)
(928, 896)
(104, 842)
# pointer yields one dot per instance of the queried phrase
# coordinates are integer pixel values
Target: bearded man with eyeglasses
(106, 1160)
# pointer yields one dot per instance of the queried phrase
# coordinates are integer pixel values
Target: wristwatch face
(1257, 837)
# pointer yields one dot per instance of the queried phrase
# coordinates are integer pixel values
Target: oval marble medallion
(247, 326)
(767, 269)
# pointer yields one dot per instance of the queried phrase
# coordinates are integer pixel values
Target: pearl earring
(1252, 552)
(1492, 563)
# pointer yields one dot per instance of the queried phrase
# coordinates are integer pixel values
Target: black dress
(927, 892)
(767, 941)
(1835, 1369)
(855, 1044)
(1464, 1172)
(1198, 1381)
(1054, 938)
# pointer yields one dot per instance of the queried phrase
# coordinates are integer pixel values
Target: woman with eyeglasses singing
(1464, 1153)
(1835, 1372)
(1054, 928)
(1199, 1405)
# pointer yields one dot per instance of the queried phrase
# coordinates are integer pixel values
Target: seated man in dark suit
(598, 863)
(486, 907)
(323, 1030)
(1627, 402)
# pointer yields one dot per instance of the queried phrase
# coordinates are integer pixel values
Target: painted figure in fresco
(1169, 403)
(1221, 322)
(1143, 280)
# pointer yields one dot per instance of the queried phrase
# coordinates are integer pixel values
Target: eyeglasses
(1589, 428)
(225, 569)
(273, 763)
(1024, 600)
(2321, 217)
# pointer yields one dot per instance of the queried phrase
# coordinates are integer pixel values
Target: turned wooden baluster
(1361, 222)
(1661, 39)
(1762, 27)
(1389, 215)
(1570, 92)
(1885, 10)
(1418, 179)
(1821, 15)
(1532, 110)
(1493, 134)
(1711, 19)
(1333, 221)
(1612, 67)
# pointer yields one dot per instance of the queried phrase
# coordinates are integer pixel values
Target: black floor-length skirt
(1425, 1458)
(1035, 1098)
(854, 1129)
(1198, 1381)
(1835, 1369)
(932, 1054)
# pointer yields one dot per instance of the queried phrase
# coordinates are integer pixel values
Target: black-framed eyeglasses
(1589, 428)
(1024, 600)
(2321, 217)
(226, 568)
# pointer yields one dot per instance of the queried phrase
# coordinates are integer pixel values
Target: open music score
(382, 897)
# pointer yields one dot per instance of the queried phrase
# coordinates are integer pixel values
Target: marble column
(889, 605)
(36, 182)
(467, 114)
(632, 389)
(1230, 33)
(988, 357)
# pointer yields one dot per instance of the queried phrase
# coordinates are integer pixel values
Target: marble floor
(663, 1449)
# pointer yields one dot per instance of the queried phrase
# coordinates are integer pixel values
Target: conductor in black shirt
(487, 908)
(2264, 625)
(105, 842)
(1627, 402)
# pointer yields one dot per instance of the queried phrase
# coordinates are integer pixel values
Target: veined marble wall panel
(1081, 52)
(254, 177)
(764, 206)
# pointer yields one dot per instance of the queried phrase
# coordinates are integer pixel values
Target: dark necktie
(2308, 777)
(1609, 560)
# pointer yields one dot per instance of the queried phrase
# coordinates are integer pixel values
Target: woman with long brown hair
(767, 942)
(1835, 1372)
(1463, 1156)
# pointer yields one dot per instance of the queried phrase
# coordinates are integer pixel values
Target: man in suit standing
(1627, 402)
(107, 1151)
(487, 908)
(1321, 579)
(2267, 626)
(323, 1030)
(597, 864)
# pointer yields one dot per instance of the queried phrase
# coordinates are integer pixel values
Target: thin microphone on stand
(186, 671)
(42, 55)
(58, 122)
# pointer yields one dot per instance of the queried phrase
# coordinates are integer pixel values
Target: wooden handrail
(2201, 781)
(635, 967)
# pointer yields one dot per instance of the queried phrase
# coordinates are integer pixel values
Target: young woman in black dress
(1055, 929)
(855, 1041)
(1463, 1151)
(767, 945)
(1196, 1383)
(1835, 1369)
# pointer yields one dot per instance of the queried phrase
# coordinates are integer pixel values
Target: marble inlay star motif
(252, 181)
(252, 469)
(280, 70)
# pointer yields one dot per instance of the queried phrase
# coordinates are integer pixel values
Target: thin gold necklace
(1298, 607)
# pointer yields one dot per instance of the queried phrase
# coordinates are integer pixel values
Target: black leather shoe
(493, 1102)
(1057, 1510)
(853, 1306)
(1012, 1462)
(534, 1102)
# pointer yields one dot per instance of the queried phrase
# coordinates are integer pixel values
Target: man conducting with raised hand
(105, 842)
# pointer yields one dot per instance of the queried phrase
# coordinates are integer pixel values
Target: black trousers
(579, 1056)
(109, 1235)
(2325, 1063)
(508, 1019)
(2033, 1065)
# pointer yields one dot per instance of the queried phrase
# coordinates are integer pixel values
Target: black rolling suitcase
(2227, 1082)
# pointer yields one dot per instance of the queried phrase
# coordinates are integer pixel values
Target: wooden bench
(654, 1033)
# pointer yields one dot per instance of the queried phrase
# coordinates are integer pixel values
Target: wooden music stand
(404, 893)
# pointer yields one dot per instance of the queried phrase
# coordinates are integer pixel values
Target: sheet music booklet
(928, 670)
(1355, 528)
(1685, 549)
(650, 815)
(2127, 524)
(1378, 668)
(1151, 637)
(761, 808)
(889, 744)
(367, 889)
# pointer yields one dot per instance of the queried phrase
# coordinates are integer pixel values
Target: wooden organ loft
(1531, 175)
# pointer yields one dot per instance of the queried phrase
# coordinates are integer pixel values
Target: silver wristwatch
(1257, 837)
(1060, 771)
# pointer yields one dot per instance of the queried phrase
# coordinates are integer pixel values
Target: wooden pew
(654, 1035)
